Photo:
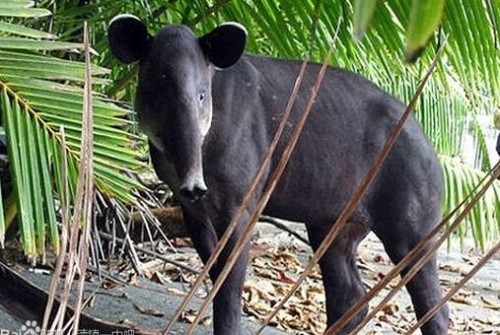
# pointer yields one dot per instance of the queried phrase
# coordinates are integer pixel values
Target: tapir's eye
(202, 95)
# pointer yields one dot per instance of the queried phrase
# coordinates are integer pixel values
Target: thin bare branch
(283, 227)
(107, 236)
(395, 271)
(249, 194)
(273, 181)
(423, 259)
(455, 288)
(358, 194)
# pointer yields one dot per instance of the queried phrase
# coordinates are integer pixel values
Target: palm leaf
(40, 95)
(484, 220)
(363, 13)
(15, 29)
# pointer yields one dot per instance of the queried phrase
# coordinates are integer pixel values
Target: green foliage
(363, 13)
(425, 16)
(484, 220)
(40, 96)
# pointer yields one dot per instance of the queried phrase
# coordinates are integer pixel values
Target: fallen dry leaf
(285, 278)
(379, 259)
(190, 314)
(155, 277)
(133, 279)
(176, 292)
(490, 304)
(258, 249)
(390, 309)
(147, 311)
(461, 299)
(305, 311)
(181, 242)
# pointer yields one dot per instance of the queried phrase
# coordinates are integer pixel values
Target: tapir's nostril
(193, 194)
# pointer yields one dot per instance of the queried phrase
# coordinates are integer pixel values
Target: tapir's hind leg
(424, 288)
(343, 286)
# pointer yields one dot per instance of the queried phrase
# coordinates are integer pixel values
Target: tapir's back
(350, 121)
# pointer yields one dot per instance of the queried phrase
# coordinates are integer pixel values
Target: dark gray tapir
(210, 112)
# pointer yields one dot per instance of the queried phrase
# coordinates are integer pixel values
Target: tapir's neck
(248, 106)
(250, 99)
(239, 109)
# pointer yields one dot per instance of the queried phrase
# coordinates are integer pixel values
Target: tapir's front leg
(202, 233)
(227, 303)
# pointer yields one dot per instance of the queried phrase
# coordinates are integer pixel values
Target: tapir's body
(348, 125)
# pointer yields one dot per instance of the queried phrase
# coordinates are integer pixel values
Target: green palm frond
(40, 95)
(484, 220)
(283, 28)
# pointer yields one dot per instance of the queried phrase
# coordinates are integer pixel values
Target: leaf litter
(275, 266)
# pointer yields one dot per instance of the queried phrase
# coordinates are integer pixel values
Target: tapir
(210, 111)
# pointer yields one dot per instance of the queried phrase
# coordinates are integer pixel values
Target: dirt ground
(277, 259)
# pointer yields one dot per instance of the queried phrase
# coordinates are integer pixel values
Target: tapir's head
(174, 95)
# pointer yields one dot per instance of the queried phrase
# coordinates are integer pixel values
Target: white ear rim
(235, 24)
(123, 16)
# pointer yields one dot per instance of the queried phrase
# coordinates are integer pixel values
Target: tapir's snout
(193, 191)
(193, 194)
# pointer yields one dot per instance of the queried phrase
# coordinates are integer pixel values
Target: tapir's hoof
(193, 194)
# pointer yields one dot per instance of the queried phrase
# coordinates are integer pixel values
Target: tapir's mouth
(193, 188)
(193, 195)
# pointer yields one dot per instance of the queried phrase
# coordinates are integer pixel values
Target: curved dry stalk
(396, 270)
(430, 313)
(250, 192)
(273, 181)
(358, 194)
(429, 253)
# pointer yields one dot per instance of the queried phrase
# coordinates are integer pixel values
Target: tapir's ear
(225, 44)
(128, 38)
